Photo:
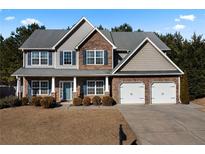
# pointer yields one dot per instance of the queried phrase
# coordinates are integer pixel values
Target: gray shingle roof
(148, 73)
(44, 38)
(122, 40)
(130, 40)
(49, 72)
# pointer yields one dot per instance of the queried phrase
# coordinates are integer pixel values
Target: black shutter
(49, 86)
(85, 87)
(73, 57)
(105, 57)
(50, 58)
(84, 57)
(61, 57)
(29, 58)
(29, 87)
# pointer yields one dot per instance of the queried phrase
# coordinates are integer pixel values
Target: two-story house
(132, 67)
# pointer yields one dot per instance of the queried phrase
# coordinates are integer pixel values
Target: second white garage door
(132, 93)
(163, 93)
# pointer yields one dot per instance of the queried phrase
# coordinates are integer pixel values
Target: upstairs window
(35, 58)
(44, 58)
(39, 58)
(94, 57)
(67, 57)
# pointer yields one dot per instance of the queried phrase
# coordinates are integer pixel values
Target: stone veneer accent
(117, 81)
(95, 41)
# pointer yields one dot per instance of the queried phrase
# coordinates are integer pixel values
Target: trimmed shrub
(25, 101)
(3, 103)
(36, 101)
(86, 101)
(96, 100)
(46, 102)
(10, 101)
(184, 96)
(107, 101)
(77, 101)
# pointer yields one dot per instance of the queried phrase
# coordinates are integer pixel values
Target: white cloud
(30, 21)
(9, 18)
(179, 27)
(190, 17)
(177, 19)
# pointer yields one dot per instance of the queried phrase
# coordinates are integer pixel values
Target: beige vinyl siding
(148, 59)
(70, 44)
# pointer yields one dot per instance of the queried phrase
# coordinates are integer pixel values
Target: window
(94, 57)
(39, 58)
(35, 88)
(67, 58)
(39, 88)
(44, 58)
(35, 58)
(95, 87)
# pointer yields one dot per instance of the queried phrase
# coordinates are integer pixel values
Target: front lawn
(35, 125)
(200, 101)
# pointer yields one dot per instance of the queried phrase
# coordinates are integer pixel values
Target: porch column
(74, 87)
(53, 93)
(18, 86)
(107, 86)
(53, 85)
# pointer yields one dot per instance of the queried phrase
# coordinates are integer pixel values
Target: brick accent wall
(95, 41)
(117, 81)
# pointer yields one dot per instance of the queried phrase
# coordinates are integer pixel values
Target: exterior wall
(148, 59)
(71, 42)
(117, 81)
(95, 41)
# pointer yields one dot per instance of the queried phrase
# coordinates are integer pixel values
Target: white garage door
(163, 93)
(132, 93)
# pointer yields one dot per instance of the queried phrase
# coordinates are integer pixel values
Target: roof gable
(146, 57)
(95, 29)
(50, 39)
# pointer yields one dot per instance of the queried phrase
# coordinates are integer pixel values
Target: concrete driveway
(166, 124)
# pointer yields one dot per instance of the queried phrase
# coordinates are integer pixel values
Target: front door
(67, 91)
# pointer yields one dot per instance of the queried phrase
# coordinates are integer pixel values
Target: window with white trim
(39, 57)
(67, 57)
(44, 58)
(40, 88)
(95, 87)
(94, 57)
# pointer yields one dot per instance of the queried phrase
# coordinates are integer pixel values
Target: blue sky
(162, 21)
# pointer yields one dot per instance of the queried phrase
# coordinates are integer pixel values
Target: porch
(64, 88)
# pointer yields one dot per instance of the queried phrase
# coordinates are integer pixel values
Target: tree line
(189, 55)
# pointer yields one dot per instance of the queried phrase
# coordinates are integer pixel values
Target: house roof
(147, 73)
(49, 72)
(47, 39)
(43, 39)
(130, 40)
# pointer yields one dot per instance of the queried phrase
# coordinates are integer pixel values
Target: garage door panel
(132, 93)
(163, 93)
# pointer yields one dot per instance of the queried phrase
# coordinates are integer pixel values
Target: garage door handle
(172, 97)
(141, 98)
